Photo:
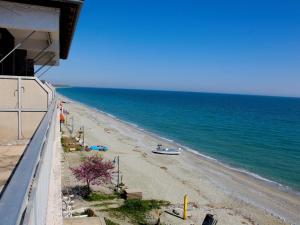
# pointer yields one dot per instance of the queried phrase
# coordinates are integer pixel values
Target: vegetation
(93, 170)
(138, 210)
(109, 222)
(70, 142)
(104, 204)
(100, 197)
(89, 212)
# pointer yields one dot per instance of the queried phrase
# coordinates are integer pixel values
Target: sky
(246, 47)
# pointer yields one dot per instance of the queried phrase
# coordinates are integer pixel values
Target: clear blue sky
(241, 46)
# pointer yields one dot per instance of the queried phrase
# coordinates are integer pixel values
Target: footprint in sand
(164, 168)
(136, 150)
(107, 130)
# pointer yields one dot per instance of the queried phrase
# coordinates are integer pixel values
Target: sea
(259, 135)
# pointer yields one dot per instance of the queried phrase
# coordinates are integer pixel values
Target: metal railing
(25, 198)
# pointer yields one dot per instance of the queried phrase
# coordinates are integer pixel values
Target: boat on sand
(166, 151)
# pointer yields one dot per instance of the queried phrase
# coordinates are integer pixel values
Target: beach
(233, 196)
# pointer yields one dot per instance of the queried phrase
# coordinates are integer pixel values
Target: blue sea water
(259, 134)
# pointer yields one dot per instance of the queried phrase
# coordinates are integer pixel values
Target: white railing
(24, 200)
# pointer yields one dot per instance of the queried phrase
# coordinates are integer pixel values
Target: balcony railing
(25, 198)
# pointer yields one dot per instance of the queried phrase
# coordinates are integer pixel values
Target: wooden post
(72, 125)
(83, 135)
(118, 171)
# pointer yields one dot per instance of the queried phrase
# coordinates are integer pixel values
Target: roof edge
(69, 15)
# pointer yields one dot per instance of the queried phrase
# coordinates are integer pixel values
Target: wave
(196, 152)
(166, 139)
(129, 123)
(200, 154)
(246, 172)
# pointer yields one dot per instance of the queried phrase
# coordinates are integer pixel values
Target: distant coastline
(62, 86)
(184, 91)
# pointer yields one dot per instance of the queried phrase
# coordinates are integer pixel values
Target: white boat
(166, 151)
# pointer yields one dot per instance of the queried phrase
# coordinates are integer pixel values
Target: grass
(104, 204)
(100, 197)
(137, 210)
(109, 222)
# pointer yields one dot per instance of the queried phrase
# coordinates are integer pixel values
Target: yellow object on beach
(185, 206)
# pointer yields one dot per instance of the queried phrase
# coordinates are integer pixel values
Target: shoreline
(174, 143)
(193, 157)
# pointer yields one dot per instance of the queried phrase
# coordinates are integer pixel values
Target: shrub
(89, 212)
(109, 222)
(93, 170)
(100, 197)
(137, 210)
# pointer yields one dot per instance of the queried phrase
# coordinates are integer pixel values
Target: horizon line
(170, 90)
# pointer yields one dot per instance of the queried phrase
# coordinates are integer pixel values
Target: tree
(94, 170)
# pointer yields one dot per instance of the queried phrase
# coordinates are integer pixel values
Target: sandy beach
(235, 197)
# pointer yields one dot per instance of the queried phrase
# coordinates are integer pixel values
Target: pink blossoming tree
(94, 170)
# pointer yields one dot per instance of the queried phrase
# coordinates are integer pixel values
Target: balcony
(29, 136)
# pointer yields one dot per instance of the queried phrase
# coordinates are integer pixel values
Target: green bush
(89, 212)
(109, 222)
(100, 197)
(137, 210)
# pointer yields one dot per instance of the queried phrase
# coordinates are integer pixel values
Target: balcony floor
(9, 157)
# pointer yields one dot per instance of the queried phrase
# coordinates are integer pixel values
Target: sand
(233, 196)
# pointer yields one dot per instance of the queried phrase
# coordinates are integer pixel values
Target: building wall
(9, 98)
(8, 126)
(33, 95)
(21, 115)
(30, 122)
